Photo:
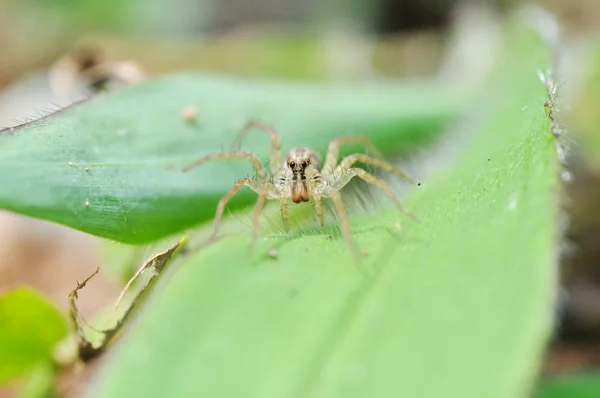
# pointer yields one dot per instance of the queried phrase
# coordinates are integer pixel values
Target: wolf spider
(302, 176)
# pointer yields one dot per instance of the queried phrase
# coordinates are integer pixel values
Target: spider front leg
(347, 175)
(317, 187)
(275, 141)
(319, 209)
(256, 186)
(284, 212)
(259, 168)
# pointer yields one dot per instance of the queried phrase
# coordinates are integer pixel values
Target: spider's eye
(292, 165)
(303, 164)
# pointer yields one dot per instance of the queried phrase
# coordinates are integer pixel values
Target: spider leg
(260, 204)
(316, 185)
(348, 161)
(362, 174)
(333, 151)
(336, 198)
(259, 168)
(319, 209)
(256, 186)
(284, 212)
(275, 141)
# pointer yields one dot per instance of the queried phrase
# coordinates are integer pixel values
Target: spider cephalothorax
(301, 177)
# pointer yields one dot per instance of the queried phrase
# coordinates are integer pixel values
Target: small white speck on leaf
(513, 202)
(87, 203)
(189, 113)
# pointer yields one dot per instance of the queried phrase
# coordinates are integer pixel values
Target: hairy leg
(333, 151)
(284, 212)
(259, 168)
(319, 208)
(275, 141)
(348, 161)
(362, 174)
(317, 187)
(256, 186)
(344, 219)
(260, 204)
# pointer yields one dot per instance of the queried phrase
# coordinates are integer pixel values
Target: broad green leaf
(30, 327)
(102, 167)
(571, 386)
(456, 306)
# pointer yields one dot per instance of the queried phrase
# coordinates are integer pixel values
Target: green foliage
(571, 386)
(30, 327)
(457, 306)
(102, 167)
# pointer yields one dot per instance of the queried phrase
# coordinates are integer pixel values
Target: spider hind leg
(336, 198)
(363, 175)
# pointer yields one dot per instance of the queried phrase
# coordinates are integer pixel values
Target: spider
(302, 176)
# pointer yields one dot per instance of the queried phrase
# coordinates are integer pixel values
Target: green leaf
(30, 327)
(101, 167)
(457, 306)
(571, 386)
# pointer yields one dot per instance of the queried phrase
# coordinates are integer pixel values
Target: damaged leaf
(87, 349)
